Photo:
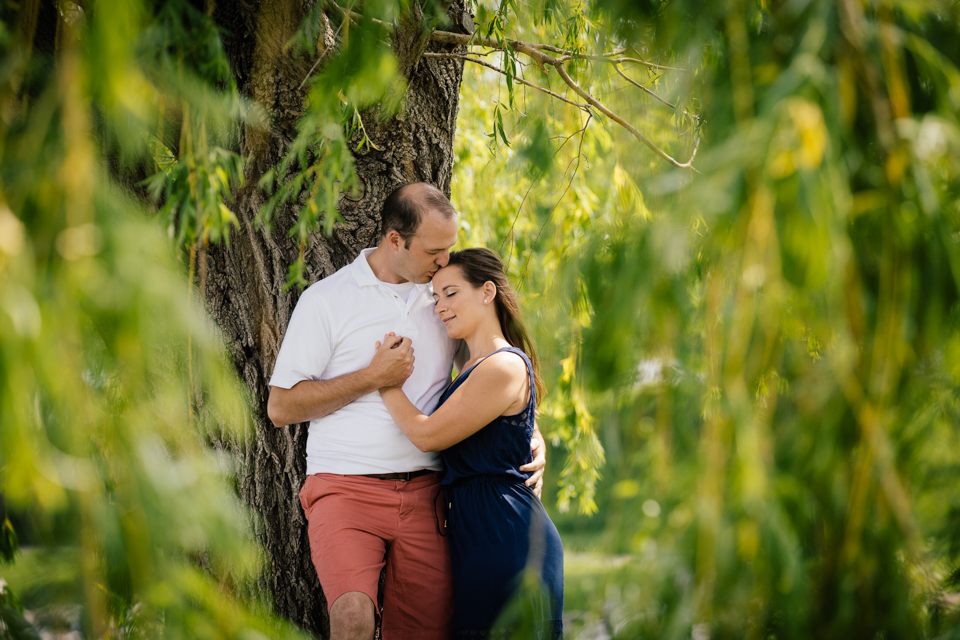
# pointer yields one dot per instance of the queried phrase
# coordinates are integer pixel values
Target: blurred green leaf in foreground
(104, 361)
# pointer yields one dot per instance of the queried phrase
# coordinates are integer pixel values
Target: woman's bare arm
(495, 386)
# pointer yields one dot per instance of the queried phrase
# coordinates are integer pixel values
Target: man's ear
(394, 239)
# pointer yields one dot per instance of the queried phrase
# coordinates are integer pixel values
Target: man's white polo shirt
(333, 331)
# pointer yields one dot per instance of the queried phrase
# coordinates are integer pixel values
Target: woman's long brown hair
(480, 265)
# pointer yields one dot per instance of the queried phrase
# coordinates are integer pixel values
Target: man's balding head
(405, 207)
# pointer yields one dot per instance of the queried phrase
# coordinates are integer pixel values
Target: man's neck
(380, 264)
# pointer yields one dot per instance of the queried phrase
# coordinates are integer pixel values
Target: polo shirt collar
(361, 270)
(365, 277)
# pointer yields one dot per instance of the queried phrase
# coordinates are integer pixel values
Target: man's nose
(443, 257)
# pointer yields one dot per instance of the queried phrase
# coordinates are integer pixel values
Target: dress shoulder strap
(526, 360)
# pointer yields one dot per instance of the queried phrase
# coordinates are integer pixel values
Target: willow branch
(623, 123)
(637, 84)
(644, 62)
(447, 37)
(540, 54)
(457, 56)
(583, 134)
(543, 60)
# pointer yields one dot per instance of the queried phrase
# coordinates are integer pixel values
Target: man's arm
(312, 399)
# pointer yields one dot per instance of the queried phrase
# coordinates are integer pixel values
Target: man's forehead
(437, 233)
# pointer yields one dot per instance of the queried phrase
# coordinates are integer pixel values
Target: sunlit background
(752, 365)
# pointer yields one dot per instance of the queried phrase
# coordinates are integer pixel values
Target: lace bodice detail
(497, 450)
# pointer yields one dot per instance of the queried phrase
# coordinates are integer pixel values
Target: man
(371, 497)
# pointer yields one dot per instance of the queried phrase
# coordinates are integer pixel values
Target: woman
(483, 424)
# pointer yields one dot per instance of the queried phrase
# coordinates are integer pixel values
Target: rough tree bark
(243, 283)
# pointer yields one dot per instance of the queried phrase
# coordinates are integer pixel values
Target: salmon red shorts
(359, 524)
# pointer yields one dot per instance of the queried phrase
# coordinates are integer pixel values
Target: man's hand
(392, 362)
(539, 462)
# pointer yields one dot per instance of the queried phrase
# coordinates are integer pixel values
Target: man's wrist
(369, 380)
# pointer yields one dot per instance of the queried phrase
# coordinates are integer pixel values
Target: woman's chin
(452, 333)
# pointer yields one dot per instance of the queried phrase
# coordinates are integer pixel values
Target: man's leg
(418, 593)
(350, 521)
(353, 617)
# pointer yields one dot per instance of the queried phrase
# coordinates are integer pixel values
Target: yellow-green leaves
(800, 141)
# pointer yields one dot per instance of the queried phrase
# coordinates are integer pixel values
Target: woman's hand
(393, 361)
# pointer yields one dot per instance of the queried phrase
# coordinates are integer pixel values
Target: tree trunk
(243, 283)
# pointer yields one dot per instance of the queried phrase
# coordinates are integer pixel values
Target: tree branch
(623, 123)
(448, 37)
(543, 60)
(583, 133)
(540, 54)
(644, 62)
(458, 56)
(637, 84)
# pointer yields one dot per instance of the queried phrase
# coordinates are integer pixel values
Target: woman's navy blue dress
(498, 529)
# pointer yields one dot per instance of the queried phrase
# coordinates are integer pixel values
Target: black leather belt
(403, 477)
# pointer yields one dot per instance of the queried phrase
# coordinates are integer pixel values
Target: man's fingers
(535, 482)
(536, 465)
(535, 478)
(539, 456)
(535, 444)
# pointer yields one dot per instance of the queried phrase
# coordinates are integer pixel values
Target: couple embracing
(433, 480)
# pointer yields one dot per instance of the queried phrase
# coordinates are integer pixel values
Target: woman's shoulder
(507, 362)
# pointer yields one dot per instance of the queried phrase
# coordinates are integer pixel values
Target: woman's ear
(489, 292)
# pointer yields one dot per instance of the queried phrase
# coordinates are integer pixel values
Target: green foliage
(12, 623)
(545, 192)
(318, 168)
(9, 543)
(322, 149)
(194, 190)
(574, 427)
(181, 52)
(105, 361)
(767, 347)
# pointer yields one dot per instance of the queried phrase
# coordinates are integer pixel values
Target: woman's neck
(483, 342)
